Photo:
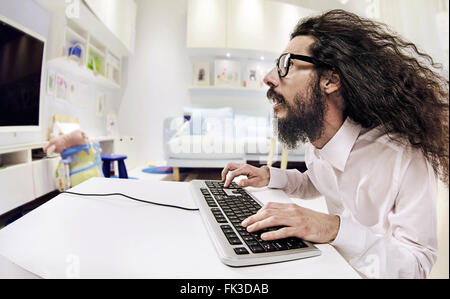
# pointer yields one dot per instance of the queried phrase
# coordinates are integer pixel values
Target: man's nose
(272, 79)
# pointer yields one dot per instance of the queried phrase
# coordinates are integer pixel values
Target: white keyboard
(224, 209)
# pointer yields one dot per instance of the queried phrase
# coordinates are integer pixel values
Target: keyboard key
(294, 243)
(241, 250)
(268, 246)
(279, 245)
(256, 248)
(248, 238)
(251, 242)
(227, 230)
(211, 203)
(234, 241)
(221, 220)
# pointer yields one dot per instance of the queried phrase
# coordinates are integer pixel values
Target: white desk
(80, 237)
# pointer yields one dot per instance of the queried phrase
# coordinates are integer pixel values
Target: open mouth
(275, 98)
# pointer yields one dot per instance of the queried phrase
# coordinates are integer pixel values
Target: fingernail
(244, 223)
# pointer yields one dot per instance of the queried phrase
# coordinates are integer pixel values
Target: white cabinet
(207, 24)
(24, 178)
(280, 21)
(44, 173)
(16, 187)
(262, 25)
(245, 24)
(119, 16)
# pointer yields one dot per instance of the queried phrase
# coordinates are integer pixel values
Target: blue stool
(107, 165)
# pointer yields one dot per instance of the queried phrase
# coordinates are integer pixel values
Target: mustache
(275, 97)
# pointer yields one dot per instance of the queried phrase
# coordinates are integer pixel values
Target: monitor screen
(21, 58)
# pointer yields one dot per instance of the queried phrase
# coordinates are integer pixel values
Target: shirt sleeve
(409, 250)
(293, 182)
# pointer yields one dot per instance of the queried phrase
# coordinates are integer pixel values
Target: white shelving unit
(98, 63)
(34, 177)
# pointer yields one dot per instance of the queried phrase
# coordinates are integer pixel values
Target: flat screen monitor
(21, 72)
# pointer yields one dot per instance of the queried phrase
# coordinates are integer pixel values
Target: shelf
(81, 72)
(234, 53)
(75, 36)
(97, 50)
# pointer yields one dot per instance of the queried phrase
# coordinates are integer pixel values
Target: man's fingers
(270, 221)
(270, 209)
(282, 233)
(260, 215)
(230, 167)
(235, 173)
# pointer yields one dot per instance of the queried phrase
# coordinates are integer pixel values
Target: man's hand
(297, 221)
(256, 177)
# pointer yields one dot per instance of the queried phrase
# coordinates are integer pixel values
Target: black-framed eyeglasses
(284, 62)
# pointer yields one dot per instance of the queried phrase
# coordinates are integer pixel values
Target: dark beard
(304, 120)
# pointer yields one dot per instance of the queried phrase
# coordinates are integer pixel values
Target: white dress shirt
(384, 194)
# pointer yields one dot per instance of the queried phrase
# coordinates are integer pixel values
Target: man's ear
(330, 82)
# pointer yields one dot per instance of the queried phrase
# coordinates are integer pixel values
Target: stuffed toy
(61, 143)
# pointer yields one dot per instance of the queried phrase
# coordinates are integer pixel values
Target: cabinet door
(280, 21)
(245, 24)
(119, 16)
(206, 24)
(16, 187)
(121, 20)
(44, 179)
(99, 8)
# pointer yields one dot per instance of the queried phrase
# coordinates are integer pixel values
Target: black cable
(136, 199)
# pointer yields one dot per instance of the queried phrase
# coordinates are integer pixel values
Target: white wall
(416, 21)
(356, 6)
(159, 74)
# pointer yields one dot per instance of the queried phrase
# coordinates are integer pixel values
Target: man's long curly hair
(385, 81)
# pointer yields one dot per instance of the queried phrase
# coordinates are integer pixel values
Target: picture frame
(254, 75)
(61, 87)
(227, 73)
(201, 74)
(101, 104)
(51, 83)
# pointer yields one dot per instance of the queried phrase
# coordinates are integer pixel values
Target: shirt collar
(338, 149)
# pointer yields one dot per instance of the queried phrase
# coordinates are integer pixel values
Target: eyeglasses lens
(283, 65)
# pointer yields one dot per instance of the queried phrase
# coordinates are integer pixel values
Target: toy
(80, 160)
(79, 164)
(61, 143)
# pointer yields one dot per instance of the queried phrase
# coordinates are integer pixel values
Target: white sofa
(211, 138)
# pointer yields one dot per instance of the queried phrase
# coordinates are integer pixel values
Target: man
(376, 117)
